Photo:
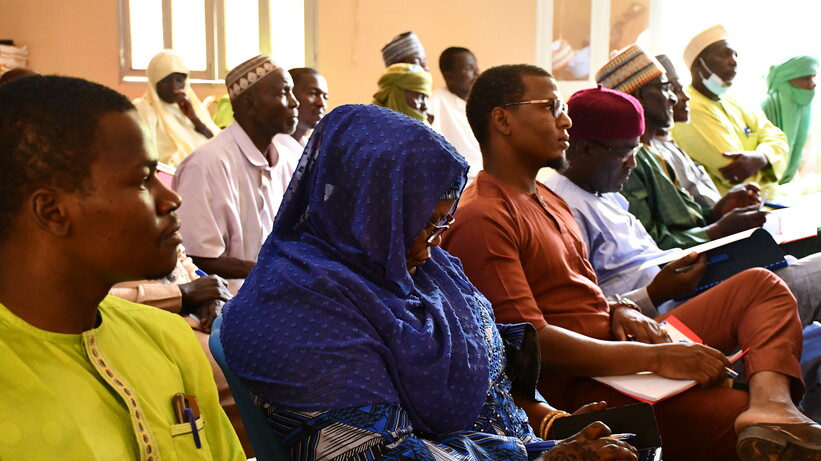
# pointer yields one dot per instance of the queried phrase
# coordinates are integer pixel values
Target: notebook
(638, 419)
(650, 387)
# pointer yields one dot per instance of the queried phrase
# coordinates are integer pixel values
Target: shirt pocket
(184, 441)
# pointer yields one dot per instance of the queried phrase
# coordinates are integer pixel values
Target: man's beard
(558, 164)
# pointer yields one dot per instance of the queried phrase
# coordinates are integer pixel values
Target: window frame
(214, 39)
(599, 38)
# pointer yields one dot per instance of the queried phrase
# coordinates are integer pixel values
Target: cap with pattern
(248, 73)
(629, 70)
(401, 46)
(701, 41)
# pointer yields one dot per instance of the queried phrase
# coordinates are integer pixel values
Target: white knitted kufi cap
(248, 73)
(702, 41)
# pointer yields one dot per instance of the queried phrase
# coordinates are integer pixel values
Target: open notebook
(650, 387)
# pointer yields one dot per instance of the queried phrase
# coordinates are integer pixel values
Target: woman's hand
(592, 444)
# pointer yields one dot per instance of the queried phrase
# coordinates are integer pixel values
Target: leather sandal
(780, 442)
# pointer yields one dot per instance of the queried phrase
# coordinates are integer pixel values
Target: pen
(775, 206)
(763, 199)
(712, 259)
(191, 420)
(730, 373)
(201, 273)
(540, 447)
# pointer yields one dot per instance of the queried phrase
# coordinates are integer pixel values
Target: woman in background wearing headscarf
(359, 337)
(405, 88)
(177, 120)
(790, 90)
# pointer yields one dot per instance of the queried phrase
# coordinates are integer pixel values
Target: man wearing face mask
(735, 143)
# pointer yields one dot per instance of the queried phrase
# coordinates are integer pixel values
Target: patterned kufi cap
(629, 70)
(562, 53)
(248, 73)
(401, 46)
(702, 41)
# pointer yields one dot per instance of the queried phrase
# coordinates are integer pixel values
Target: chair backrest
(266, 443)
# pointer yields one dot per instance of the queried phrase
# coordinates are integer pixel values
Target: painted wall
(81, 38)
(350, 34)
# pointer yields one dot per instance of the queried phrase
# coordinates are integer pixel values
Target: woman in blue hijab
(356, 334)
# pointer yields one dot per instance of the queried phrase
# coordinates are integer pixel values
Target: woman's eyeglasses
(439, 228)
(556, 105)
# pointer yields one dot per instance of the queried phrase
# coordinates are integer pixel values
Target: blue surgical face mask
(714, 83)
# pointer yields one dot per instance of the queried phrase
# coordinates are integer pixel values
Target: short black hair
(298, 72)
(48, 125)
(448, 57)
(494, 88)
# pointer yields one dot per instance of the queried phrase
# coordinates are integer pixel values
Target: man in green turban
(790, 89)
(405, 88)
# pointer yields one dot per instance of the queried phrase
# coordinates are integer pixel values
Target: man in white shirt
(311, 91)
(459, 68)
(234, 183)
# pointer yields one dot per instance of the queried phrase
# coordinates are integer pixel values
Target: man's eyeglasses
(439, 228)
(556, 105)
(666, 87)
(621, 152)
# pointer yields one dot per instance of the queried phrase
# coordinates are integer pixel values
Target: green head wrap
(393, 83)
(789, 107)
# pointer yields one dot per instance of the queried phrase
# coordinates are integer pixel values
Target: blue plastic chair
(266, 442)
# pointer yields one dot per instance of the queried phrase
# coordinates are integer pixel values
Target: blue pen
(718, 258)
(189, 414)
(747, 131)
(201, 273)
(712, 259)
(775, 206)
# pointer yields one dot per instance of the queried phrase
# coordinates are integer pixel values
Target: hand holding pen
(595, 437)
(677, 279)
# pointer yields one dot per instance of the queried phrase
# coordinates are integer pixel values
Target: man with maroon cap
(520, 246)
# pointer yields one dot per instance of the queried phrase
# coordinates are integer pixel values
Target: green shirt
(669, 214)
(107, 393)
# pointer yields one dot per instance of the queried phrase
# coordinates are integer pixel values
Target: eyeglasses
(621, 152)
(556, 105)
(439, 228)
(666, 87)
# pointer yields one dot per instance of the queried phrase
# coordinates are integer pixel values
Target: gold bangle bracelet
(546, 431)
(547, 422)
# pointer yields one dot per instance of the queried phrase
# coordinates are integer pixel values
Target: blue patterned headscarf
(330, 317)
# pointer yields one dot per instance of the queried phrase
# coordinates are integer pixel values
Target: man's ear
(499, 120)
(582, 148)
(49, 211)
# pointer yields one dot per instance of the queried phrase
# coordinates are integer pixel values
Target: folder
(730, 255)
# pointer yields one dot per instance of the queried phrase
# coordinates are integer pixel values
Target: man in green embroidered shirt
(669, 213)
(86, 376)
